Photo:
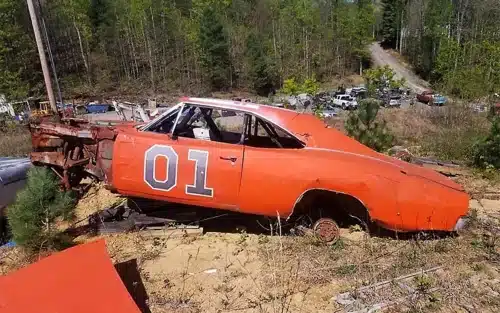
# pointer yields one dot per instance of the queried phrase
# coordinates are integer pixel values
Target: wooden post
(43, 60)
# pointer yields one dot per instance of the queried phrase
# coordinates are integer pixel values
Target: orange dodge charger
(255, 159)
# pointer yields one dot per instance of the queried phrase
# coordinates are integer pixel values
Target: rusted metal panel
(49, 284)
(73, 147)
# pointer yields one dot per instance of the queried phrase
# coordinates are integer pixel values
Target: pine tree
(262, 70)
(38, 205)
(487, 151)
(362, 125)
(214, 45)
(389, 22)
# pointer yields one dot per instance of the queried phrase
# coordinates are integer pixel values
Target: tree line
(184, 45)
(453, 43)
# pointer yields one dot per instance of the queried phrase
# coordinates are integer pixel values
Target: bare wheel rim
(327, 230)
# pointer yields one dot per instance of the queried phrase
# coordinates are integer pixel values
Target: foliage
(310, 86)
(363, 125)
(292, 88)
(262, 69)
(487, 151)
(214, 46)
(32, 216)
(455, 44)
(188, 46)
(17, 55)
(378, 78)
(390, 19)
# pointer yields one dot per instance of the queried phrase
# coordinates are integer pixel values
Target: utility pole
(43, 60)
(51, 56)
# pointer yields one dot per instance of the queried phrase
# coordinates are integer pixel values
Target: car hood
(333, 141)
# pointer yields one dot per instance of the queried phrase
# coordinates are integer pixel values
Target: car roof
(279, 116)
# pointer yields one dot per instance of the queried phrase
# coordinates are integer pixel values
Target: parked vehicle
(328, 113)
(346, 102)
(94, 107)
(431, 98)
(393, 103)
(358, 91)
(309, 169)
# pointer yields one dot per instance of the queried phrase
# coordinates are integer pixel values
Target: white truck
(346, 102)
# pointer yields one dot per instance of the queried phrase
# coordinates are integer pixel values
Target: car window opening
(225, 126)
(262, 134)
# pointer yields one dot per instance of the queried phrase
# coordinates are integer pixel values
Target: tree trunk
(150, 53)
(85, 63)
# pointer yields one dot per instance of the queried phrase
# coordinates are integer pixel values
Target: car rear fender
(377, 194)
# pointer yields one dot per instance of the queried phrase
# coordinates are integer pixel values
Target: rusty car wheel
(327, 230)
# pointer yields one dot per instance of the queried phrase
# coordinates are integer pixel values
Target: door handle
(232, 159)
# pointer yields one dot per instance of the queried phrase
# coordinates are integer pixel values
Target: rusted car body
(270, 161)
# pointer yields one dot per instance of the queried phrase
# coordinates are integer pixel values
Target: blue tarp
(97, 108)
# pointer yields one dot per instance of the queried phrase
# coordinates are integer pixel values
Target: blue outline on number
(196, 176)
(154, 167)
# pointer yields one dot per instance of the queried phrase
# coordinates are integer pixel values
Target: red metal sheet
(81, 279)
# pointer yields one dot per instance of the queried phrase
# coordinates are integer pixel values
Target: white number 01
(200, 157)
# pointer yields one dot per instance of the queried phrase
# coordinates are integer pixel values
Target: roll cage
(255, 131)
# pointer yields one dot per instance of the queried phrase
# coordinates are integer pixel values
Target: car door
(158, 165)
(269, 183)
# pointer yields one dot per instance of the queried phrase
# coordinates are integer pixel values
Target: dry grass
(15, 141)
(448, 132)
(250, 273)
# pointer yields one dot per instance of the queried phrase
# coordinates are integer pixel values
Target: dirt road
(381, 57)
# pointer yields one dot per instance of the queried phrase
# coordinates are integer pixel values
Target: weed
(423, 283)
(347, 269)
(478, 267)
(355, 228)
(442, 246)
(243, 238)
(472, 216)
(263, 239)
(338, 245)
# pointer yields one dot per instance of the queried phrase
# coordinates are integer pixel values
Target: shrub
(487, 151)
(364, 126)
(32, 216)
(292, 88)
(378, 78)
